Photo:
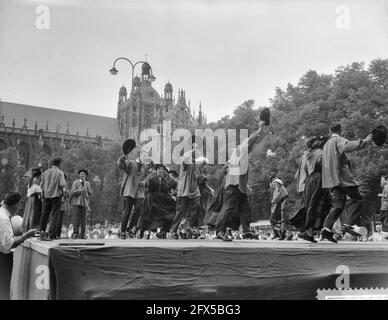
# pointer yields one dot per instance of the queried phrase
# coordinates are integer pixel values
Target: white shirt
(378, 237)
(6, 231)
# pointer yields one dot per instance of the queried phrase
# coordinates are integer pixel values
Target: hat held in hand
(265, 116)
(379, 135)
(128, 146)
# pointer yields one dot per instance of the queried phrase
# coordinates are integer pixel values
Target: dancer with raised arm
(236, 181)
(338, 177)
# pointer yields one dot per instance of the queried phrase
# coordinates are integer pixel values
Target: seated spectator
(379, 235)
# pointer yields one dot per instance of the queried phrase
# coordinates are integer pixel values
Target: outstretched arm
(345, 145)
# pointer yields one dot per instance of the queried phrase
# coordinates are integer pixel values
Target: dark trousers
(235, 204)
(37, 212)
(384, 219)
(131, 216)
(6, 262)
(338, 195)
(79, 220)
(59, 224)
(50, 211)
(188, 209)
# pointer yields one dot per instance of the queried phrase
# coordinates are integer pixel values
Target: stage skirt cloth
(32, 212)
(6, 261)
(159, 211)
(316, 205)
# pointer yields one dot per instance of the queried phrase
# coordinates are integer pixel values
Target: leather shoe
(307, 237)
(250, 235)
(224, 237)
(328, 235)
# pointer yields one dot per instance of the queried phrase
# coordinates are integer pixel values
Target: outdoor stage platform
(191, 269)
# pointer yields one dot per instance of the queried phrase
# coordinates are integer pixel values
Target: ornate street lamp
(114, 71)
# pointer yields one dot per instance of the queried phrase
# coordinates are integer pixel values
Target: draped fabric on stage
(214, 272)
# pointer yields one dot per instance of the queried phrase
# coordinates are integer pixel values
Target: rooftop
(83, 123)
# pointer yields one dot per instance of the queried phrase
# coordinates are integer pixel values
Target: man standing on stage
(80, 195)
(338, 177)
(188, 206)
(53, 182)
(8, 241)
(132, 190)
(236, 188)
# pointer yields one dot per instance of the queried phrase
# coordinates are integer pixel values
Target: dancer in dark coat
(316, 200)
(159, 205)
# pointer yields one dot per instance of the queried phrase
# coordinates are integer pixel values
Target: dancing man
(188, 205)
(159, 205)
(316, 200)
(338, 177)
(235, 195)
(132, 190)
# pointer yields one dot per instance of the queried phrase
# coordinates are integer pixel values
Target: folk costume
(159, 205)
(132, 191)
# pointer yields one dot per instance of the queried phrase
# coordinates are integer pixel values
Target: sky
(220, 52)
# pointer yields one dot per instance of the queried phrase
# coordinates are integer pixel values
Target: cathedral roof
(104, 127)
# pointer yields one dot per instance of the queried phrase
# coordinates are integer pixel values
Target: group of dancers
(183, 203)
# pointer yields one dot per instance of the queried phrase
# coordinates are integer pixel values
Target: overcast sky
(221, 52)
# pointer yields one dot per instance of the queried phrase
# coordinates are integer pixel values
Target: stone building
(145, 108)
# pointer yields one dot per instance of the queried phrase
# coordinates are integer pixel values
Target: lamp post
(150, 73)
(114, 70)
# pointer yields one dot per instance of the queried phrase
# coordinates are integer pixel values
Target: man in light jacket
(80, 194)
(338, 177)
(132, 189)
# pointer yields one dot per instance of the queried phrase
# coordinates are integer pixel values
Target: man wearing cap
(338, 177)
(53, 182)
(159, 206)
(236, 188)
(132, 189)
(80, 195)
(8, 241)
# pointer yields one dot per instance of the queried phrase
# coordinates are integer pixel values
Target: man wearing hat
(338, 177)
(132, 189)
(236, 187)
(80, 194)
(8, 241)
(53, 182)
(159, 206)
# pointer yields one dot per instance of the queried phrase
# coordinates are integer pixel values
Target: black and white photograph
(194, 155)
